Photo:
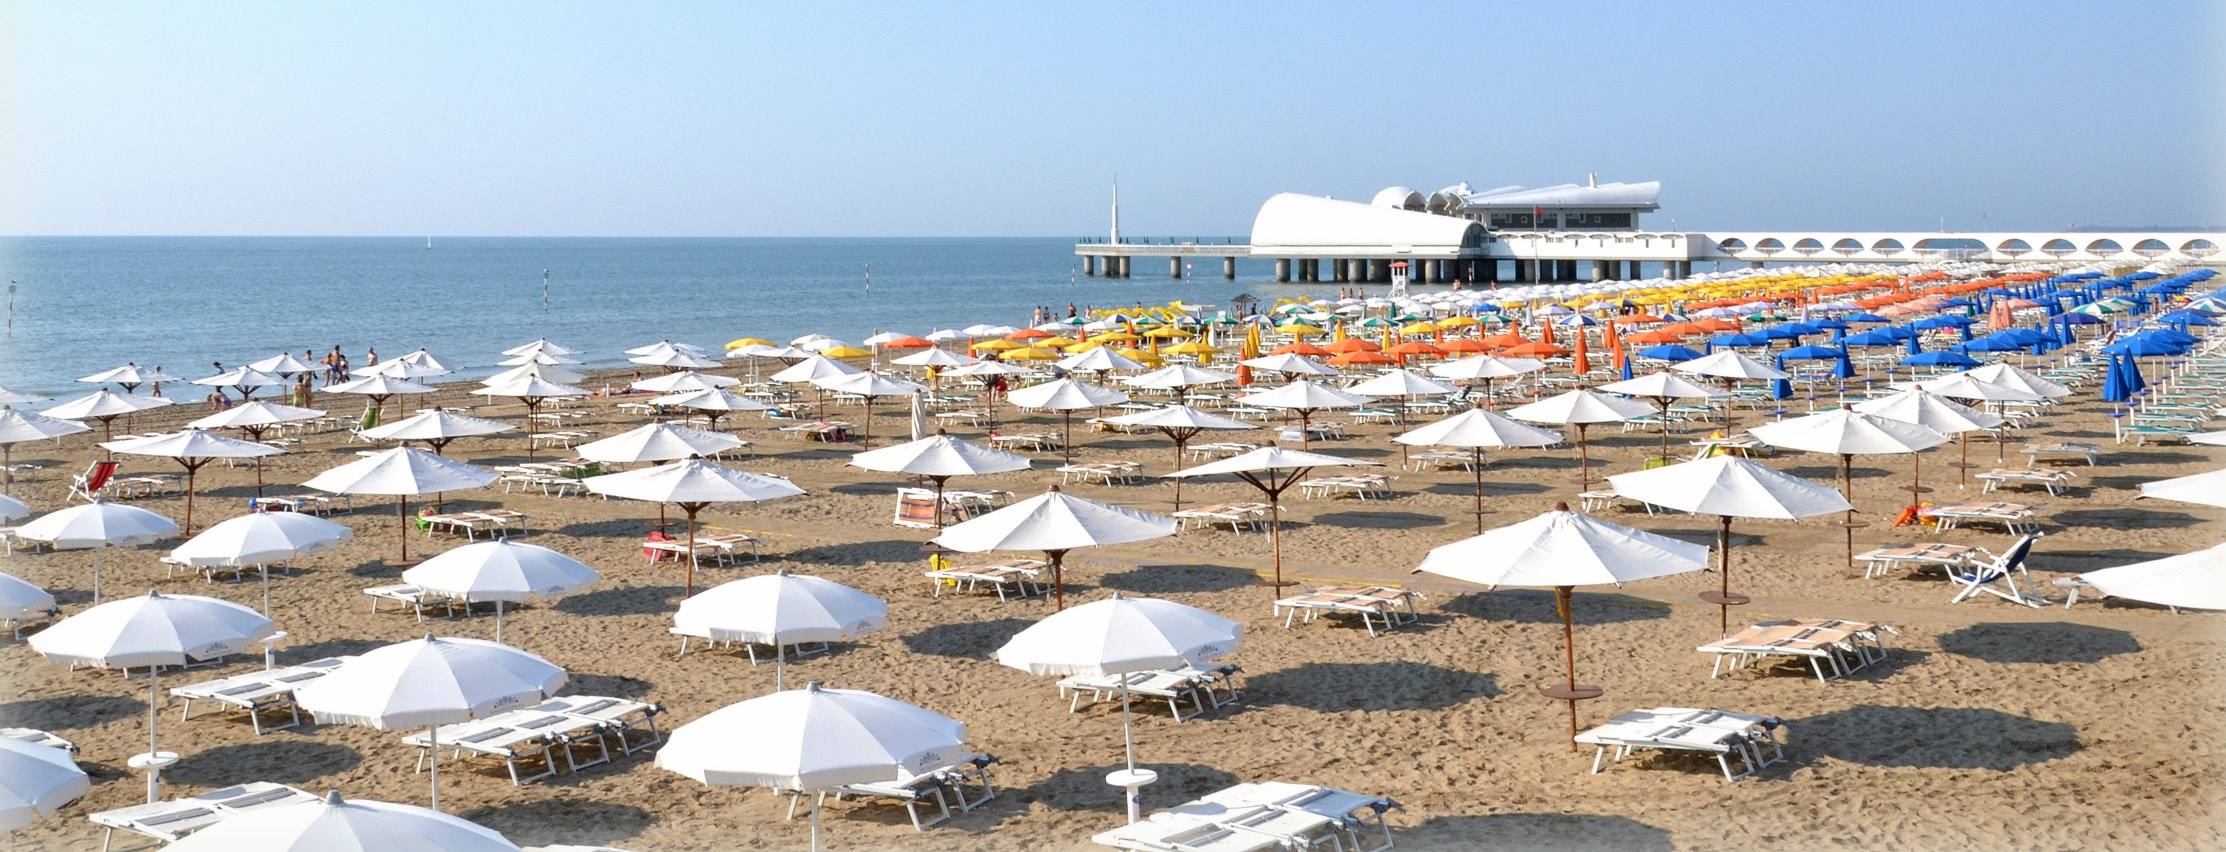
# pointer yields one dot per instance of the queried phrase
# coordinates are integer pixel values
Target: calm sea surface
(85, 304)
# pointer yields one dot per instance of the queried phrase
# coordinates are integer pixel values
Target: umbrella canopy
(1290, 363)
(192, 448)
(402, 473)
(2010, 375)
(938, 358)
(1581, 407)
(1177, 377)
(1971, 387)
(532, 371)
(539, 359)
(870, 385)
(676, 358)
(1729, 487)
(691, 484)
(1477, 430)
(1272, 470)
(36, 780)
(150, 632)
(130, 375)
(939, 455)
(260, 538)
(245, 379)
(1066, 395)
(780, 609)
(19, 600)
(284, 364)
(539, 344)
(105, 406)
(658, 442)
(335, 824)
(1180, 423)
(11, 508)
(532, 388)
(712, 399)
(2202, 489)
(1731, 365)
(1662, 384)
(255, 416)
(1929, 410)
(9, 397)
(436, 427)
(98, 526)
(19, 426)
(2191, 580)
(504, 572)
(378, 386)
(813, 368)
(1486, 367)
(1099, 360)
(685, 380)
(1400, 383)
(1303, 395)
(1848, 432)
(1054, 522)
(427, 683)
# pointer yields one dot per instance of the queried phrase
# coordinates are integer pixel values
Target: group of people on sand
(335, 366)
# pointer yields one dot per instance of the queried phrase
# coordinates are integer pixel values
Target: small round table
(1132, 780)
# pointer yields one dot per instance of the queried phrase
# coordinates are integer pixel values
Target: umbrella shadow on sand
(1930, 738)
(2128, 518)
(1173, 579)
(282, 761)
(1546, 832)
(614, 686)
(1536, 606)
(1381, 520)
(853, 554)
(70, 711)
(1084, 787)
(2042, 643)
(626, 600)
(1338, 687)
(966, 640)
(294, 654)
(564, 820)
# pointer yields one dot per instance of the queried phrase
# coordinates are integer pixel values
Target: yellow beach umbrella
(1060, 342)
(1148, 359)
(998, 345)
(748, 341)
(1168, 332)
(1456, 322)
(1419, 328)
(1031, 353)
(1115, 337)
(845, 353)
(1192, 347)
(1298, 329)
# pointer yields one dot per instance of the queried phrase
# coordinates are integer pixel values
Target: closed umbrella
(1729, 487)
(1476, 430)
(36, 780)
(1273, 470)
(191, 448)
(402, 472)
(1054, 522)
(502, 572)
(691, 484)
(1848, 433)
(1114, 638)
(1562, 550)
(427, 683)
(1180, 423)
(260, 539)
(1581, 408)
(17, 427)
(1066, 396)
(780, 609)
(939, 457)
(813, 740)
(333, 823)
(98, 526)
(151, 632)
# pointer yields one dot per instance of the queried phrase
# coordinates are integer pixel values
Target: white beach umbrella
(260, 539)
(1848, 433)
(402, 368)
(284, 364)
(663, 346)
(402, 473)
(2190, 580)
(503, 572)
(987, 368)
(1273, 470)
(943, 335)
(9, 397)
(436, 427)
(532, 391)
(814, 740)
(538, 358)
(1099, 360)
(1729, 487)
(812, 369)
(1581, 408)
(1289, 365)
(427, 683)
(1662, 386)
(939, 457)
(191, 448)
(1304, 397)
(713, 402)
(1486, 368)
(333, 823)
(1968, 386)
(19, 600)
(11, 508)
(105, 406)
(658, 442)
(540, 344)
(1400, 383)
(36, 780)
(1562, 550)
(1113, 638)
(2208, 439)
(684, 380)
(1054, 522)
(98, 526)
(1932, 411)
(938, 358)
(676, 359)
(1180, 423)
(1477, 430)
(780, 609)
(692, 485)
(1178, 377)
(1730, 367)
(533, 371)
(980, 330)
(378, 389)
(870, 386)
(17, 427)
(243, 379)
(2202, 489)
(151, 632)
(2013, 376)
(253, 418)
(130, 376)
(422, 363)
(1066, 396)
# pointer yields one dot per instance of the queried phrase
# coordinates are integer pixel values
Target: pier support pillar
(1089, 264)
(1336, 271)
(1684, 269)
(1755, 264)
(1600, 270)
(1229, 268)
(1174, 267)
(1282, 269)
(1124, 265)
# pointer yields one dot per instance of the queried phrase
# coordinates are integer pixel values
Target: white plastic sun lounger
(1292, 816)
(1829, 644)
(168, 821)
(1718, 733)
(516, 737)
(258, 692)
(35, 736)
(796, 651)
(618, 716)
(415, 598)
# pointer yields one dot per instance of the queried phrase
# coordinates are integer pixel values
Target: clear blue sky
(1008, 119)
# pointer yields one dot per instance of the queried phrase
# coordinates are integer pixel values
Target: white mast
(1116, 208)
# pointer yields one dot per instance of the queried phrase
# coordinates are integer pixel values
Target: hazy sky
(1009, 119)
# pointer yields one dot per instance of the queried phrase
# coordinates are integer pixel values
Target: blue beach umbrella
(1811, 352)
(1940, 358)
(1842, 367)
(1668, 352)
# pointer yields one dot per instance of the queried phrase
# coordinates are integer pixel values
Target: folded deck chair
(915, 508)
(1997, 575)
(87, 486)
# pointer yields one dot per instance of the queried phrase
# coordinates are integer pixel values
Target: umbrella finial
(332, 797)
(812, 686)
(1561, 505)
(1052, 490)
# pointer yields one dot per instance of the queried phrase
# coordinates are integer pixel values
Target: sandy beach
(1991, 725)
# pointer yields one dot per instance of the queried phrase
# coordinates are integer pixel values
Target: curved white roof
(1646, 194)
(1290, 221)
(1398, 198)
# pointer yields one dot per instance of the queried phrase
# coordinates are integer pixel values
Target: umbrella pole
(1847, 482)
(7, 467)
(1066, 444)
(1562, 604)
(1963, 460)
(1723, 571)
(154, 765)
(819, 801)
(1306, 435)
(1058, 579)
(1180, 440)
(939, 500)
(402, 515)
(779, 661)
(865, 436)
(691, 509)
(1584, 460)
(96, 573)
(192, 469)
(265, 570)
(433, 738)
(498, 620)
(1476, 466)
(1128, 735)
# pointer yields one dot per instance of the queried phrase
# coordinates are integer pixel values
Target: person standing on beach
(371, 356)
(343, 367)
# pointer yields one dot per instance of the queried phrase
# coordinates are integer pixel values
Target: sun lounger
(1361, 485)
(915, 508)
(632, 723)
(16, 625)
(1605, 499)
(2051, 479)
(1997, 575)
(2089, 452)
(35, 736)
(1012, 579)
(1286, 816)
(1717, 733)
(417, 599)
(521, 736)
(1196, 686)
(943, 786)
(1831, 647)
(171, 820)
(498, 523)
(258, 693)
(1879, 561)
(1441, 459)
(1239, 516)
(2017, 518)
(1218, 449)
(794, 651)
(1104, 473)
(1373, 604)
(87, 486)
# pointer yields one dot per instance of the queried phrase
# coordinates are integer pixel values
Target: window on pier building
(1597, 220)
(1507, 221)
